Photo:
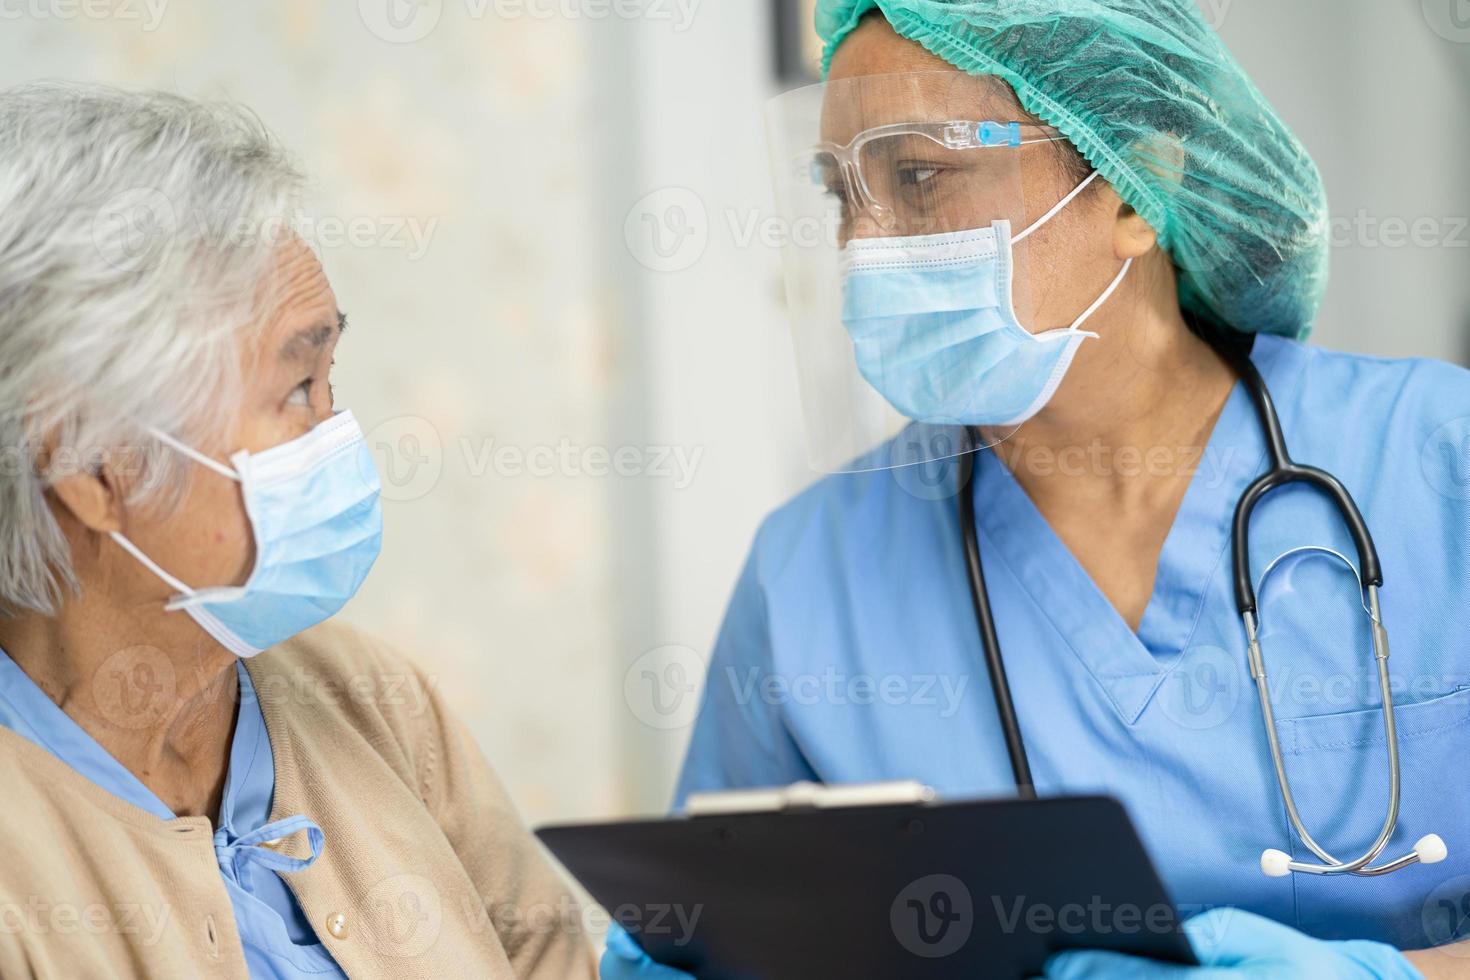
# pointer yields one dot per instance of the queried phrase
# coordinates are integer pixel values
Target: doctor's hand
(1232, 944)
(625, 960)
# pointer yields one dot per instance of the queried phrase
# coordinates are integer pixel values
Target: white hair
(137, 230)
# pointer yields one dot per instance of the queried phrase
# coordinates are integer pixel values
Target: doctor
(1055, 226)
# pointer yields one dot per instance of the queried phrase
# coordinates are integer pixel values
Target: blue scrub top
(850, 652)
(279, 943)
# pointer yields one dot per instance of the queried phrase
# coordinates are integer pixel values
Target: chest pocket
(1338, 764)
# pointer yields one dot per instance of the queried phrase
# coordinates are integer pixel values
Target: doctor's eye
(916, 175)
(921, 180)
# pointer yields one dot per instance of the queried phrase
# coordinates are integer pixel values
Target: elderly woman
(197, 782)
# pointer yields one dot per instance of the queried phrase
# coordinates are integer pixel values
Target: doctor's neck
(1133, 416)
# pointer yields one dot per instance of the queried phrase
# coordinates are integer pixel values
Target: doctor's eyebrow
(305, 343)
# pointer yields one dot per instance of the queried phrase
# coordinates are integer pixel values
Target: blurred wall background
(549, 222)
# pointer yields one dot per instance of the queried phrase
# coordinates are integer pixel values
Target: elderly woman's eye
(301, 394)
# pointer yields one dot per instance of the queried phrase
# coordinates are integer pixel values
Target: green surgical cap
(1149, 95)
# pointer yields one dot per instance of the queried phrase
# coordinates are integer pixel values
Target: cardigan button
(337, 925)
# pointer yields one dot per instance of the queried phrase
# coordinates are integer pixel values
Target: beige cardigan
(426, 871)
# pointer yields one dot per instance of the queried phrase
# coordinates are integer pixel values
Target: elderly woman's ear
(88, 498)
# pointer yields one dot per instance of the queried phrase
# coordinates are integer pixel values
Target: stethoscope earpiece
(1429, 849)
(1274, 863)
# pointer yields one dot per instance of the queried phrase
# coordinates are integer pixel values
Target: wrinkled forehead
(854, 104)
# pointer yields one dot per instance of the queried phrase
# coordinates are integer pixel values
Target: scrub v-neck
(1129, 665)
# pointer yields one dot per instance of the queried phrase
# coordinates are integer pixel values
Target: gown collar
(243, 834)
(27, 710)
(1129, 666)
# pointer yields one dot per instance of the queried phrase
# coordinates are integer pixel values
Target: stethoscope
(1282, 471)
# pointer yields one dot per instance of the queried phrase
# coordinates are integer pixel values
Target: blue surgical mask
(317, 522)
(934, 327)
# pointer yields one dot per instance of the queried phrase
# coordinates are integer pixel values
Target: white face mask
(317, 520)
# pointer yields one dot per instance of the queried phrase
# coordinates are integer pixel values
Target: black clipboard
(982, 888)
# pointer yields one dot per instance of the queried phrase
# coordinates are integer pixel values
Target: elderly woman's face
(286, 361)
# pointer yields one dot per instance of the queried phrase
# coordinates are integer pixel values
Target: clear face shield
(903, 194)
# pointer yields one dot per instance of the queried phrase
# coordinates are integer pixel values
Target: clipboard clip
(808, 796)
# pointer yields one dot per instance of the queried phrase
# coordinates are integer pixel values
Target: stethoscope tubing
(989, 640)
(1283, 471)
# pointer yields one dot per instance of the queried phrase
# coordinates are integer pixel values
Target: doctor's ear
(1164, 156)
(1133, 237)
(90, 494)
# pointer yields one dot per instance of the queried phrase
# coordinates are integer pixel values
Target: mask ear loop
(1112, 287)
(194, 454)
(1058, 208)
(1106, 294)
(176, 584)
(150, 564)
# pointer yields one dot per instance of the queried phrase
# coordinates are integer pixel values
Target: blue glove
(1232, 944)
(625, 960)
